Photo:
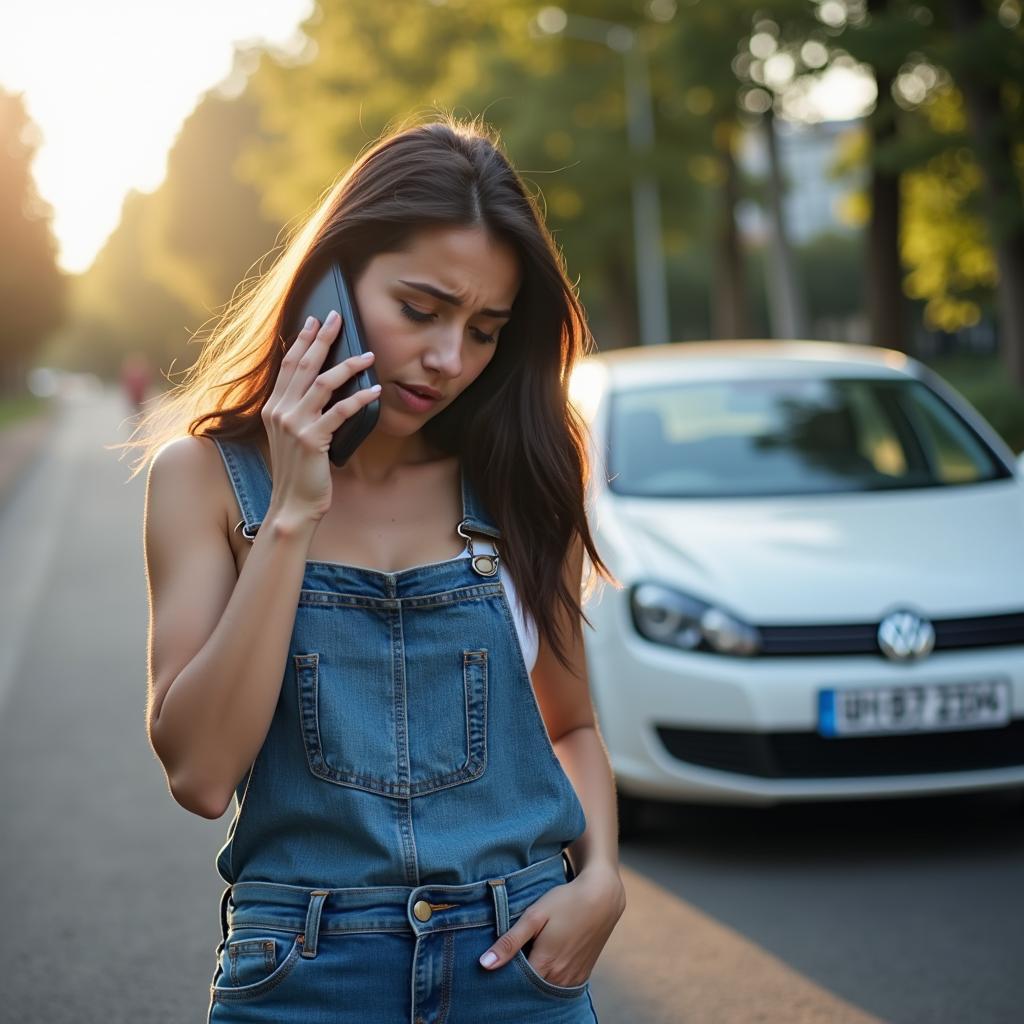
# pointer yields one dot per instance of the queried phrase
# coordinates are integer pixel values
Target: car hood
(833, 558)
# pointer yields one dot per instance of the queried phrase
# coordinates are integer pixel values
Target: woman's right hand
(298, 429)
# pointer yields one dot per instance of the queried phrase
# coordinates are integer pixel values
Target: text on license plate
(927, 706)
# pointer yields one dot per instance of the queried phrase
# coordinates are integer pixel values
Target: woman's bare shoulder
(189, 470)
(190, 457)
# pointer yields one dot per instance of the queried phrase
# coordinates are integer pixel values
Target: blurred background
(839, 170)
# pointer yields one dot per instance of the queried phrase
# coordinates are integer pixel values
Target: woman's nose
(445, 355)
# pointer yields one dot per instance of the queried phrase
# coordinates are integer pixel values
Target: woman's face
(421, 339)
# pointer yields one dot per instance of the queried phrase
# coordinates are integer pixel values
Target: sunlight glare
(109, 83)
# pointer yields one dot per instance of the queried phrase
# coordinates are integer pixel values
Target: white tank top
(525, 626)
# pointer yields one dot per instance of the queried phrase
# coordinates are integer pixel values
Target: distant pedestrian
(136, 376)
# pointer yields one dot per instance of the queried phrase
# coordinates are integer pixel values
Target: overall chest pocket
(399, 728)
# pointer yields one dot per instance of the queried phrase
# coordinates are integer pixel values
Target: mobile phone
(328, 289)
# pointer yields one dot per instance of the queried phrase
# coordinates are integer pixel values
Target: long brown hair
(521, 442)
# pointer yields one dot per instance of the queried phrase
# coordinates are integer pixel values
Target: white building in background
(813, 195)
(813, 198)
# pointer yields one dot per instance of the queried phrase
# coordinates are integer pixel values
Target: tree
(882, 38)
(558, 105)
(986, 60)
(946, 247)
(920, 48)
(206, 227)
(32, 286)
(697, 65)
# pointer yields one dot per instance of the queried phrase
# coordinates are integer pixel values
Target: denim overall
(405, 808)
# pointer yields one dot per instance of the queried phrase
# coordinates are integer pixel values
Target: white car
(821, 552)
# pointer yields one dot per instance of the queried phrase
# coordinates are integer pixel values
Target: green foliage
(369, 64)
(946, 243)
(32, 288)
(243, 168)
(206, 226)
(832, 269)
(558, 104)
(17, 408)
(116, 307)
(983, 381)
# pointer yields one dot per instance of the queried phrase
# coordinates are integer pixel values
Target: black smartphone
(329, 289)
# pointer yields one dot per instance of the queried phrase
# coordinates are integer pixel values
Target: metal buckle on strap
(250, 537)
(483, 564)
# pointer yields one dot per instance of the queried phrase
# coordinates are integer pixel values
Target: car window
(790, 436)
(957, 454)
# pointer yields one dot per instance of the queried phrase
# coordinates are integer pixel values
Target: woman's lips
(417, 403)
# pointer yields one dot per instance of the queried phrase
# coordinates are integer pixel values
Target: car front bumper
(708, 728)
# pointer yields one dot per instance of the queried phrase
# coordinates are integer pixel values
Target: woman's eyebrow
(500, 314)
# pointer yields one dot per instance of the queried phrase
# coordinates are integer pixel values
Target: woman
(425, 819)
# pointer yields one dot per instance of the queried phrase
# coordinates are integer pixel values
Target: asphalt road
(904, 912)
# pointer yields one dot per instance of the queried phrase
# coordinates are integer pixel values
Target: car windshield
(747, 438)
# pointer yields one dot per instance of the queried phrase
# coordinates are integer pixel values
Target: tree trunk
(620, 330)
(786, 305)
(993, 146)
(729, 308)
(884, 271)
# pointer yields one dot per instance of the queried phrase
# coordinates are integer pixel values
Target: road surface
(910, 913)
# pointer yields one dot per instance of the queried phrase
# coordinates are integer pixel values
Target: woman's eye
(420, 317)
(415, 314)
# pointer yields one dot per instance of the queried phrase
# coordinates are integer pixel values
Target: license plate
(930, 707)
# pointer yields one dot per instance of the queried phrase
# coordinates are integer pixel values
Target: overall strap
(252, 485)
(474, 516)
(251, 482)
(476, 521)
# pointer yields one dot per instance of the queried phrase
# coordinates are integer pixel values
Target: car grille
(950, 635)
(806, 755)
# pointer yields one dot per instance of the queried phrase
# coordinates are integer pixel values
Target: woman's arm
(218, 639)
(565, 703)
(573, 922)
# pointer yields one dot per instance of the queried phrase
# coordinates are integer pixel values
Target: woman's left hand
(570, 923)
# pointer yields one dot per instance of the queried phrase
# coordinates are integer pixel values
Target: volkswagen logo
(905, 636)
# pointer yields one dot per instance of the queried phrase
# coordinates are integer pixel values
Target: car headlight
(668, 616)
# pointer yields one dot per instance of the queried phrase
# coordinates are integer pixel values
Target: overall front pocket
(535, 978)
(399, 732)
(549, 988)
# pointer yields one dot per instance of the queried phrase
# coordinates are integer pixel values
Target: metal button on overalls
(421, 908)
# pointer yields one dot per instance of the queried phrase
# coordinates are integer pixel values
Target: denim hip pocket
(253, 962)
(402, 728)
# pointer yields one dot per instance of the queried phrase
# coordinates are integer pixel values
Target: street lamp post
(651, 287)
